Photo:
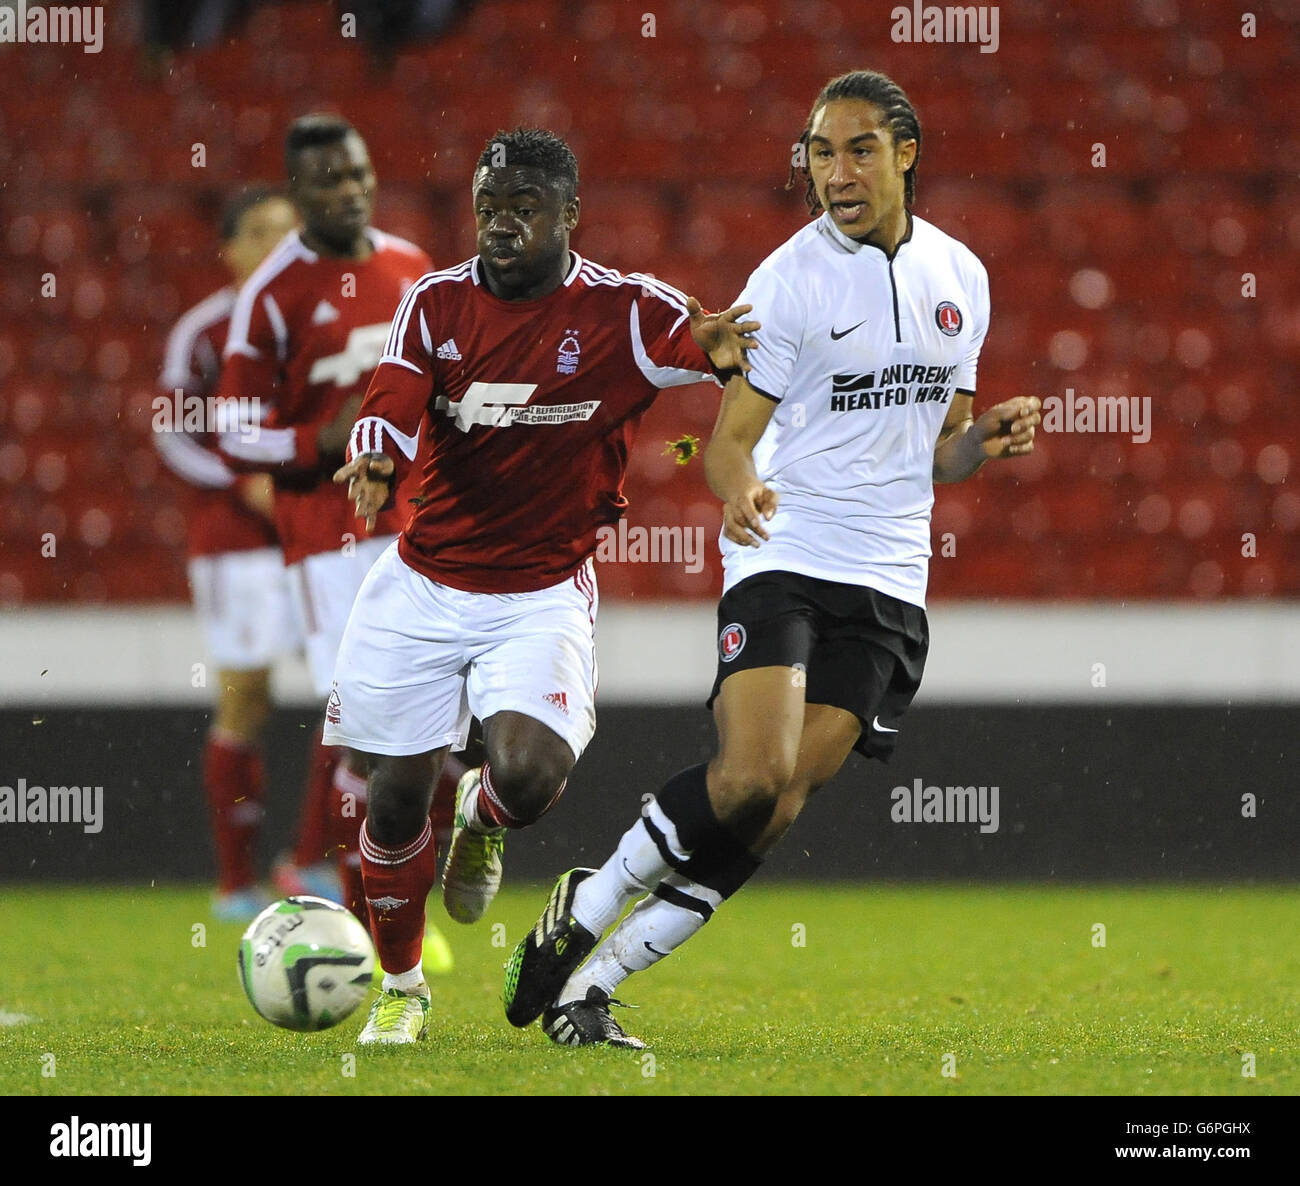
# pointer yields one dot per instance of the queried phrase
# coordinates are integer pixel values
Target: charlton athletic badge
(948, 318)
(731, 641)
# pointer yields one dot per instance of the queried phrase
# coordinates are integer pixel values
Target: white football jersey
(862, 355)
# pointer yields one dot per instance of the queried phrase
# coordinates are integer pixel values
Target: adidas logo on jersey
(448, 350)
(324, 314)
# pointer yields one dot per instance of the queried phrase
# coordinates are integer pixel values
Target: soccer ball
(306, 963)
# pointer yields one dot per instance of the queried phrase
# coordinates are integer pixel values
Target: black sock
(715, 854)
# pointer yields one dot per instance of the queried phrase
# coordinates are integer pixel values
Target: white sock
(636, 867)
(407, 981)
(656, 927)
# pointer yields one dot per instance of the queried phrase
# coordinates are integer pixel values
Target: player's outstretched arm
(729, 463)
(723, 336)
(1002, 431)
(370, 484)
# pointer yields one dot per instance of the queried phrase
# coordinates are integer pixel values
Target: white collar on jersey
(569, 278)
(827, 224)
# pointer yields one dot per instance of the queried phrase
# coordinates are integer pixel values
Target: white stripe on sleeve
(186, 458)
(264, 446)
(368, 437)
(659, 376)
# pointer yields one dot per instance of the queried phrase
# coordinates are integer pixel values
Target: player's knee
(747, 792)
(528, 780)
(398, 801)
(757, 778)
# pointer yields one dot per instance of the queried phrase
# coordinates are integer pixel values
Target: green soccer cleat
(588, 1023)
(548, 955)
(396, 1019)
(472, 874)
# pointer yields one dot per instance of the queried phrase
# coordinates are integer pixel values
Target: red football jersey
(218, 520)
(306, 333)
(532, 408)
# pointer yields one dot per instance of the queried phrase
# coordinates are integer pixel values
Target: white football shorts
(242, 600)
(324, 587)
(419, 658)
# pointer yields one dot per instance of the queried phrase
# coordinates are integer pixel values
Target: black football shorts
(862, 650)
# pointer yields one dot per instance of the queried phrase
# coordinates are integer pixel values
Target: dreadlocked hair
(901, 118)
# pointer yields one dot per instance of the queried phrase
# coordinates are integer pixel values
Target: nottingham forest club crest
(569, 354)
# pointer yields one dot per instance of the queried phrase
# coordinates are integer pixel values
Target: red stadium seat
(1123, 279)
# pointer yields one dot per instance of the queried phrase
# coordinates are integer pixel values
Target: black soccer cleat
(548, 955)
(588, 1023)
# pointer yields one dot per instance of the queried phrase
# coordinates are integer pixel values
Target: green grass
(890, 979)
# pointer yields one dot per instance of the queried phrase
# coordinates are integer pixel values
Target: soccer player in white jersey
(824, 454)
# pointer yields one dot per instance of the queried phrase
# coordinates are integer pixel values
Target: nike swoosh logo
(835, 337)
(655, 950)
(875, 724)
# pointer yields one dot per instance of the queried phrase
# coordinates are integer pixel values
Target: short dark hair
(885, 93)
(235, 209)
(313, 131)
(535, 148)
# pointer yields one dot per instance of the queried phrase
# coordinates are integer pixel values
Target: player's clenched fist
(1007, 429)
(369, 478)
(743, 516)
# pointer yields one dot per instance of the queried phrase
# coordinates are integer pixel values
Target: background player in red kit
(534, 367)
(236, 569)
(307, 330)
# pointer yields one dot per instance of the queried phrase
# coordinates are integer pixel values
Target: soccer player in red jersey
(236, 569)
(534, 368)
(306, 333)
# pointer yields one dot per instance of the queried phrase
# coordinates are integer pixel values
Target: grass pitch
(791, 990)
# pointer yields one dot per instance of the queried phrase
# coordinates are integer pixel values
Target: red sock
(347, 811)
(234, 779)
(398, 880)
(492, 811)
(318, 793)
